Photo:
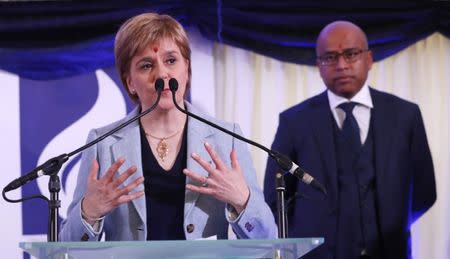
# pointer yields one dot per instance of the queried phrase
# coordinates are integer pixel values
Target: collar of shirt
(362, 98)
(361, 110)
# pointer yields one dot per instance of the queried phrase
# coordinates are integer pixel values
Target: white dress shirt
(361, 110)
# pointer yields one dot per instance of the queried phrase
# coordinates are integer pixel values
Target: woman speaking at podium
(164, 176)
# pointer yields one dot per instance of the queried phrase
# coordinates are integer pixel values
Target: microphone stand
(54, 186)
(283, 161)
(53, 165)
(281, 205)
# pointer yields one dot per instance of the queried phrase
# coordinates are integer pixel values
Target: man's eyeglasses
(332, 58)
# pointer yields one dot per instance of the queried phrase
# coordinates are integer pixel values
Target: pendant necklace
(162, 148)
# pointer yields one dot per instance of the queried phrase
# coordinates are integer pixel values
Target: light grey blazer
(204, 216)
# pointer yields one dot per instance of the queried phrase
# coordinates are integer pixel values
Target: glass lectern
(279, 248)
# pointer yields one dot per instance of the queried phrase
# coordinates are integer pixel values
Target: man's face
(343, 60)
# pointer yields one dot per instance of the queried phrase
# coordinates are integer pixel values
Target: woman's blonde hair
(140, 31)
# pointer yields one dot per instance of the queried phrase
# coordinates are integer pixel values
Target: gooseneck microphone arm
(53, 165)
(283, 161)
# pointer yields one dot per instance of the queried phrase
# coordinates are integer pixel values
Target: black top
(164, 193)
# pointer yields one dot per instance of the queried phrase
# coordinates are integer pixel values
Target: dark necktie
(350, 128)
(349, 192)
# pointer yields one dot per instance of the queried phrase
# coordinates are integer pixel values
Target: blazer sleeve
(73, 228)
(256, 221)
(423, 184)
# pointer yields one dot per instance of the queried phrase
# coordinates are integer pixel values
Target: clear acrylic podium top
(279, 248)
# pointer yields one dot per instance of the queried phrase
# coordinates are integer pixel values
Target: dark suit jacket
(405, 185)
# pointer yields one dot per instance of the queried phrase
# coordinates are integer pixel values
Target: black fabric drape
(288, 30)
(49, 40)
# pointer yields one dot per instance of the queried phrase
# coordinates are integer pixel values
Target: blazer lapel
(381, 122)
(128, 146)
(322, 124)
(197, 134)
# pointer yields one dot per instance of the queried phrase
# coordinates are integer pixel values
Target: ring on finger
(205, 183)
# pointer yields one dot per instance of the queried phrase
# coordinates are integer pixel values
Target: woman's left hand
(223, 183)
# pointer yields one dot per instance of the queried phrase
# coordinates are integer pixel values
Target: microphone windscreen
(173, 84)
(159, 85)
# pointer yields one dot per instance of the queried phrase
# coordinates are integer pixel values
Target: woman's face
(162, 59)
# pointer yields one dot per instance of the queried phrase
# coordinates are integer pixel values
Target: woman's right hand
(103, 195)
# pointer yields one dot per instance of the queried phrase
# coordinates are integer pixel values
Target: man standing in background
(370, 150)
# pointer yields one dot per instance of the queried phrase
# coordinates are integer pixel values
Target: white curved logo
(109, 107)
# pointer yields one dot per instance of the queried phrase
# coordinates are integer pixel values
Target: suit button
(85, 237)
(190, 228)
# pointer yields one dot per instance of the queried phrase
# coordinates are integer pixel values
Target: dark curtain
(50, 40)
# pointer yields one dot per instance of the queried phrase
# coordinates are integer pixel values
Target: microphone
(286, 164)
(282, 160)
(54, 164)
